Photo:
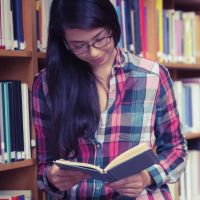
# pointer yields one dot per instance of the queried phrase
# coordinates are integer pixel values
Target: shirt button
(98, 146)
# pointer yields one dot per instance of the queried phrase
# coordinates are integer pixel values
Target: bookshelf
(22, 65)
(178, 70)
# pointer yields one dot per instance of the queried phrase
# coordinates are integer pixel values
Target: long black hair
(72, 90)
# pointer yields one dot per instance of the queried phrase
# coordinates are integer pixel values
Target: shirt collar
(121, 59)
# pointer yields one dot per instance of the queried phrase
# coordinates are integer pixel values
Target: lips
(97, 60)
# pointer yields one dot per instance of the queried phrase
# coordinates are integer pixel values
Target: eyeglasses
(85, 47)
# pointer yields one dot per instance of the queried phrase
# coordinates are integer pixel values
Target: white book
(132, 46)
(26, 121)
(11, 30)
(113, 2)
(195, 106)
(188, 181)
(182, 195)
(194, 157)
(45, 21)
(189, 37)
(7, 21)
(2, 23)
(178, 91)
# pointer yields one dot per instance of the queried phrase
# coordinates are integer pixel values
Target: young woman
(94, 101)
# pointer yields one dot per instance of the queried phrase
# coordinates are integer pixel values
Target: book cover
(133, 160)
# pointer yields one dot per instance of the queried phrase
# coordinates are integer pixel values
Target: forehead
(83, 35)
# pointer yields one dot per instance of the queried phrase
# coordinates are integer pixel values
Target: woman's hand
(64, 179)
(132, 186)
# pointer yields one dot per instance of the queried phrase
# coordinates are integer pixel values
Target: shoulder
(40, 82)
(145, 66)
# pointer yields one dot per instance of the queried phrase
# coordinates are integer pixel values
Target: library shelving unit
(24, 64)
(21, 65)
(177, 70)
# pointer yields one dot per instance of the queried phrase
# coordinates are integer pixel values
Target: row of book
(188, 186)
(14, 121)
(11, 25)
(180, 37)
(177, 32)
(131, 17)
(187, 93)
(15, 195)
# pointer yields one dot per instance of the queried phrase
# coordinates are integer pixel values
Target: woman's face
(95, 46)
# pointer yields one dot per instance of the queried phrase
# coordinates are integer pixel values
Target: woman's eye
(80, 46)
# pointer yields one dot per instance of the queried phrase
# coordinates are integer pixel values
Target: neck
(104, 72)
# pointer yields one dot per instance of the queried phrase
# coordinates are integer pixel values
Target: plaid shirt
(141, 109)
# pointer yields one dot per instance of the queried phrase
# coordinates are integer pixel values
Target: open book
(126, 164)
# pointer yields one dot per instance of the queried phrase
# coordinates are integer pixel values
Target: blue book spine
(128, 24)
(138, 44)
(7, 121)
(164, 33)
(188, 105)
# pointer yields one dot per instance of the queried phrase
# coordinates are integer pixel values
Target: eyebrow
(94, 37)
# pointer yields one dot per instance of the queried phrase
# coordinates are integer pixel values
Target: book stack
(177, 32)
(14, 121)
(187, 94)
(12, 25)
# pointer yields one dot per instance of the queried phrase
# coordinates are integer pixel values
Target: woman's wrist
(47, 180)
(149, 180)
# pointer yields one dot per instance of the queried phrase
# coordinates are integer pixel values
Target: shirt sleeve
(42, 123)
(170, 143)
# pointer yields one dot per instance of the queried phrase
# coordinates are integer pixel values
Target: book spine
(108, 177)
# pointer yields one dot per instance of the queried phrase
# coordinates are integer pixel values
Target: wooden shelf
(182, 66)
(16, 165)
(10, 53)
(41, 55)
(190, 136)
(186, 2)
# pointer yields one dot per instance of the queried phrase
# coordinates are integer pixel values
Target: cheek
(81, 57)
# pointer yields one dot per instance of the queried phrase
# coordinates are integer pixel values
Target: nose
(93, 51)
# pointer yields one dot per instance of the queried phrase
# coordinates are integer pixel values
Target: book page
(127, 155)
(78, 164)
